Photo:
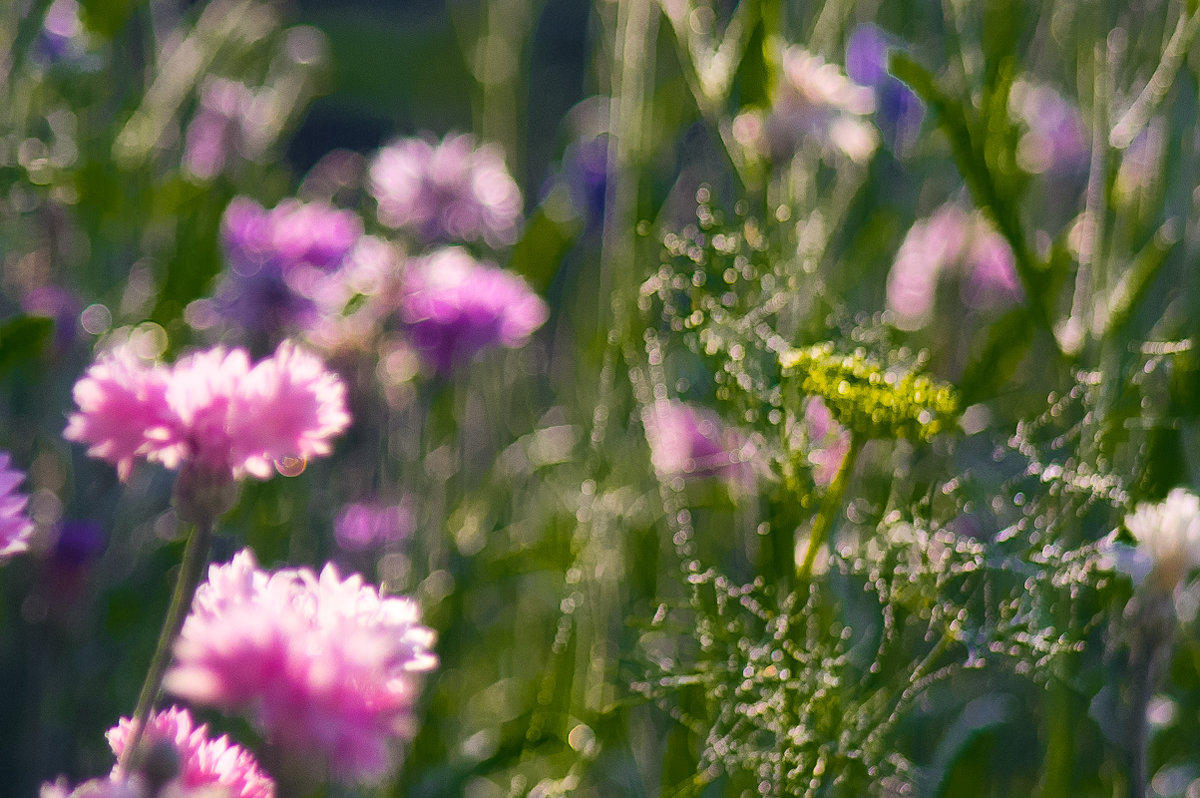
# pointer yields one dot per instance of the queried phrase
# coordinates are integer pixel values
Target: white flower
(1169, 534)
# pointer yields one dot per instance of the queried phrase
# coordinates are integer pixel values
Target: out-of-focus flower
(828, 442)
(276, 257)
(453, 307)
(1141, 164)
(688, 441)
(815, 102)
(1168, 536)
(898, 111)
(62, 37)
(57, 303)
(225, 124)
(211, 409)
(203, 761)
(363, 524)
(446, 192)
(15, 526)
(1056, 139)
(957, 242)
(327, 667)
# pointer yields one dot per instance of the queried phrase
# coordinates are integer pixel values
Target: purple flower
(453, 307)
(275, 255)
(446, 192)
(688, 441)
(62, 37)
(60, 304)
(1056, 139)
(15, 526)
(211, 409)
(361, 525)
(223, 125)
(897, 110)
(326, 667)
(203, 761)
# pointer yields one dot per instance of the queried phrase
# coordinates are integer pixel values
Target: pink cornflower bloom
(454, 307)
(15, 526)
(211, 409)
(955, 242)
(688, 441)
(325, 666)
(203, 761)
(448, 191)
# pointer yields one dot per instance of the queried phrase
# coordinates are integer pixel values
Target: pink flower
(688, 441)
(203, 762)
(827, 440)
(325, 666)
(211, 409)
(15, 526)
(447, 191)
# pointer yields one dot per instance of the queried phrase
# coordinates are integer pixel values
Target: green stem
(194, 558)
(831, 505)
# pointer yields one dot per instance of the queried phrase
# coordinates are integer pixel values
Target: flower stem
(831, 505)
(190, 570)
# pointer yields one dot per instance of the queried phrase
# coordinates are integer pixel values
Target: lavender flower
(325, 666)
(898, 111)
(453, 307)
(957, 242)
(446, 192)
(62, 37)
(203, 761)
(688, 441)
(15, 526)
(210, 409)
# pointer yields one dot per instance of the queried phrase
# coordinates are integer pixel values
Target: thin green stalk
(831, 505)
(194, 558)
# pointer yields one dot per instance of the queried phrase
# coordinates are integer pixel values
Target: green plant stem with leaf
(831, 506)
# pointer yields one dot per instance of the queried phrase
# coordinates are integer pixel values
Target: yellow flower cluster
(867, 399)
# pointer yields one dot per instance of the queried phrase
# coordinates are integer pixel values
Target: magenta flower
(96, 788)
(203, 761)
(449, 191)
(689, 441)
(325, 666)
(454, 307)
(211, 409)
(15, 526)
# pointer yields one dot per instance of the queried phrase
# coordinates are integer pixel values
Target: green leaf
(23, 339)
(1008, 341)
(548, 236)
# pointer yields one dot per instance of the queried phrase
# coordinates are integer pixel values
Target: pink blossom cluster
(448, 191)
(827, 441)
(325, 666)
(15, 526)
(203, 761)
(211, 409)
(454, 306)
(956, 242)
